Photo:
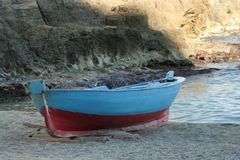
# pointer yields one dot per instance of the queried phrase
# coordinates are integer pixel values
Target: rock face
(224, 17)
(56, 35)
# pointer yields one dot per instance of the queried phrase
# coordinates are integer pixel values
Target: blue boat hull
(104, 108)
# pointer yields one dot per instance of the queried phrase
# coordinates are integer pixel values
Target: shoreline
(172, 141)
(16, 88)
(16, 85)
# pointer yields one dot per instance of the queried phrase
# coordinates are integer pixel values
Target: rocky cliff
(54, 35)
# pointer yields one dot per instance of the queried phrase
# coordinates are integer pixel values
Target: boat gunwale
(179, 80)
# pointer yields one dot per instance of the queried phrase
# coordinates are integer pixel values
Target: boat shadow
(40, 134)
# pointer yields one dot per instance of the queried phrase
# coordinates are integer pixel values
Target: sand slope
(173, 141)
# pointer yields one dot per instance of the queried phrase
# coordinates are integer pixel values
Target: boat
(83, 112)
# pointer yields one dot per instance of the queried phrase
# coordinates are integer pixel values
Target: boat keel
(69, 124)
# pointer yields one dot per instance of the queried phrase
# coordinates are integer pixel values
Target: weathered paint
(83, 112)
(66, 124)
(125, 101)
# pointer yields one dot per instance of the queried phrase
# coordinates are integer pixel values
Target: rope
(45, 103)
(49, 120)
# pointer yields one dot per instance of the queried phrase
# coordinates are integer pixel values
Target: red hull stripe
(65, 122)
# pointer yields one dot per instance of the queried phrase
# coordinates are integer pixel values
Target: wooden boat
(75, 112)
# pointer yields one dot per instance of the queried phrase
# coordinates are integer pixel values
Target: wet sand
(19, 140)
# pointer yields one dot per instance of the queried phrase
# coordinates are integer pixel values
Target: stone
(50, 35)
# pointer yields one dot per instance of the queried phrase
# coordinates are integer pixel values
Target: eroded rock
(50, 39)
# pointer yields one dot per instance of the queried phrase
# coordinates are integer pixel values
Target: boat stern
(36, 89)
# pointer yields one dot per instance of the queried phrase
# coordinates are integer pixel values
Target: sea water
(210, 98)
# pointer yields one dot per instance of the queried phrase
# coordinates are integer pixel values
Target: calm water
(210, 98)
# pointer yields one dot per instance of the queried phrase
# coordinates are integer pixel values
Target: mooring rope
(51, 127)
(45, 103)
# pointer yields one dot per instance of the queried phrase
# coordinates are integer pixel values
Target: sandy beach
(19, 140)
